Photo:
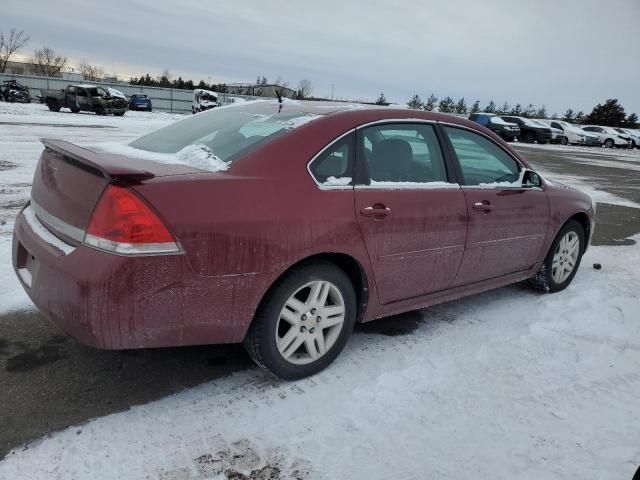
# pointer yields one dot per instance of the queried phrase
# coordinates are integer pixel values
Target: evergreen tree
(555, 117)
(504, 109)
(415, 102)
(517, 110)
(610, 114)
(263, 81)
(446, 105)
(542, 112)
(632, 121)
(431, 103)
(530, 111)
(491, 107)
(475, 108)
(568, 115)
(461, 106)
(382, 100)
(579, 117)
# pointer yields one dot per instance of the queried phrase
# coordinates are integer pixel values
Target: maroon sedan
(280, 226)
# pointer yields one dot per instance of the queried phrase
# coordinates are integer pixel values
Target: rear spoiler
(112, 167)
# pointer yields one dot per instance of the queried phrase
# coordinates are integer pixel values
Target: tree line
(46, 62)
(611, 113)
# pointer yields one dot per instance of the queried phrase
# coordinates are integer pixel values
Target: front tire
(609, 143)
(304, 322)
(563, 259)
(564, 141)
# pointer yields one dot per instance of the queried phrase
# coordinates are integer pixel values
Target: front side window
(482, 162)
(334, 166)
(401, 154)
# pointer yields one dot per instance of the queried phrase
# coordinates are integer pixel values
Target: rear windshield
(226, 131)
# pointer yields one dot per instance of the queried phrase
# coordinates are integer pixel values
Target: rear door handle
(484, 206)
(377, 210)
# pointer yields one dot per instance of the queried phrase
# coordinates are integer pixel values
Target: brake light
(123, 223)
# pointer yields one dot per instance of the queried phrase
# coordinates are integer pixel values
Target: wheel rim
(310, 322)
(608, 143)
(565, 257)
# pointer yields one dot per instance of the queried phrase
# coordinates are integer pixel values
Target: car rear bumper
(120, 302)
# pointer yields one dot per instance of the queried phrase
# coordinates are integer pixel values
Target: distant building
(259, 90)
(20, 68)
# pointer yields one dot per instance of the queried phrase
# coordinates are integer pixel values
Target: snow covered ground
(509, 384)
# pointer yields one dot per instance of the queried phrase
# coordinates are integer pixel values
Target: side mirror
(531, 179)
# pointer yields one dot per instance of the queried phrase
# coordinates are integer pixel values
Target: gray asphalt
(49, 382)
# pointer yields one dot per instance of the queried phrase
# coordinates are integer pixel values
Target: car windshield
(97, 92)
(227, 131)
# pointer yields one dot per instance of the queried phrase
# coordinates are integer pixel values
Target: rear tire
(529, 138)
(564, 141)
(563, 259)
(53, 105)
(75, 110)
(304, 322)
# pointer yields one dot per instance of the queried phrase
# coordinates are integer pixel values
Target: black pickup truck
(530, 131)
(86, 98)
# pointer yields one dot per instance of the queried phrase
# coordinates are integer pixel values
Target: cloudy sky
(571, 53)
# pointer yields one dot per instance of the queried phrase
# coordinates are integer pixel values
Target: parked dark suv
(508, 131)
(529, 130)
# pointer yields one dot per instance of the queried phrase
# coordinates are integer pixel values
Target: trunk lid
(69, 181)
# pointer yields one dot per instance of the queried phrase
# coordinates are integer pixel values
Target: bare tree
(47, 63)
(305, 89)
(91, 72)
(281, 82)
(10, 44)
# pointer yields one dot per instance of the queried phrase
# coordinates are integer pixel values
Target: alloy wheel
(310, 322)
(565, 257)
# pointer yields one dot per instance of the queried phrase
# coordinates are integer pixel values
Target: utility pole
(331, 90)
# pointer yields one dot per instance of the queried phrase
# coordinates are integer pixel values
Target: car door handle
(484, 206)
(377, 210)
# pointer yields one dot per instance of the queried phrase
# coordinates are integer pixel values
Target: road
(49, 382)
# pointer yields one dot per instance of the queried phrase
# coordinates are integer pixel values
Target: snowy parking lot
(512, 383)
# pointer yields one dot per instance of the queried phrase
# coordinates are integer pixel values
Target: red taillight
(123, 223)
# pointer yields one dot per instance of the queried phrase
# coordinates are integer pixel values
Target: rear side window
(334, 166)
(482, 161)
(401, 153)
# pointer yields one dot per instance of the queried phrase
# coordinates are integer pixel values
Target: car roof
(364, 113)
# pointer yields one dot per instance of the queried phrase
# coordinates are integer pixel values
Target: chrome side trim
(54, 223)
(409, 186)
(42, 232)
(325, 148)
(396, 120)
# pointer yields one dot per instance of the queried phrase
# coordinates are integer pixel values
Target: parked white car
(634, 135)
(573, 134)
(609, 137)
(557, 135)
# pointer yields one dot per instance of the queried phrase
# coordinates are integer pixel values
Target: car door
(507, 221)
(70, 97)
(413, 219)
(83, 99)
